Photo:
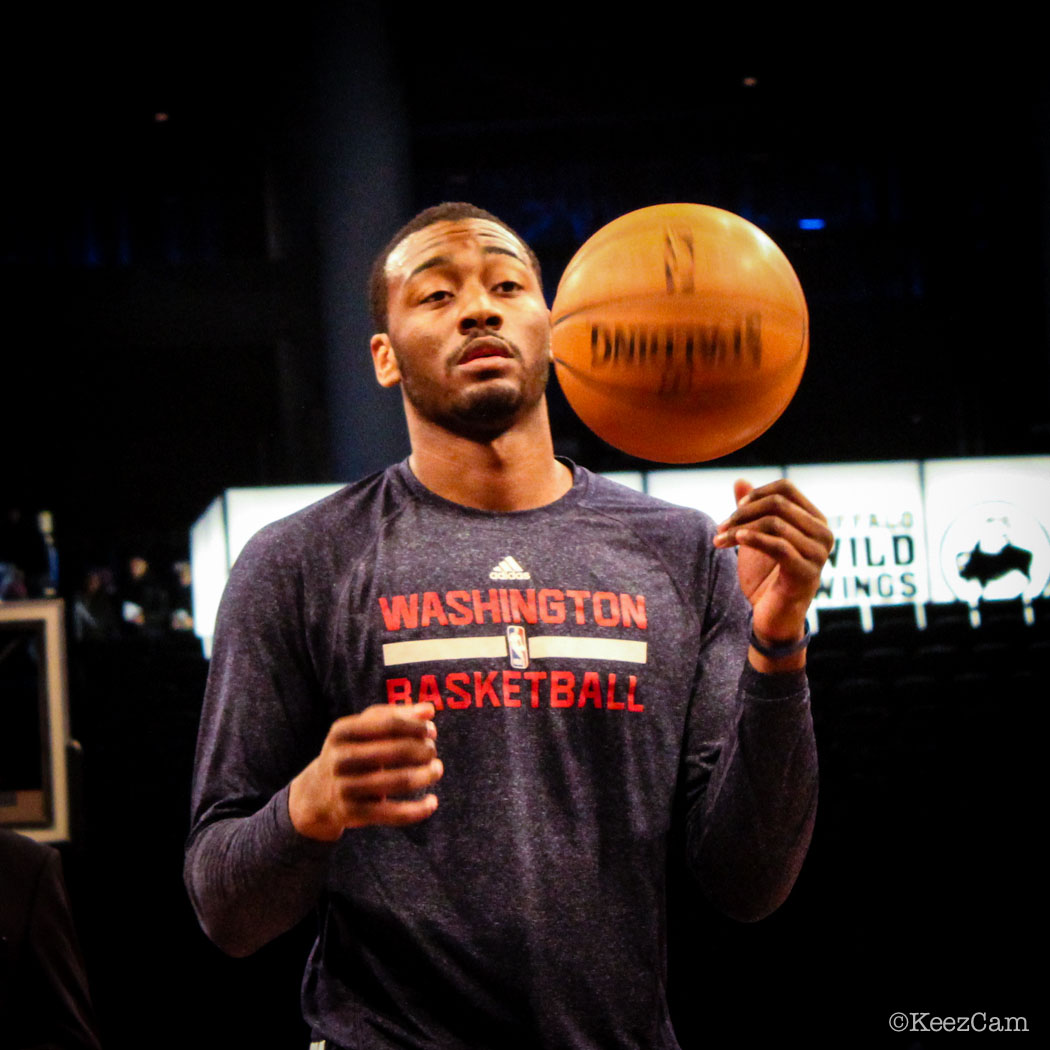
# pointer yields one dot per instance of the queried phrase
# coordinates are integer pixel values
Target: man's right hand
(370, 763)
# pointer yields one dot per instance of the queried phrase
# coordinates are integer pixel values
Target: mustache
(484, 336)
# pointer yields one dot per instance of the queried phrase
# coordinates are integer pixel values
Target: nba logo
(517, 647)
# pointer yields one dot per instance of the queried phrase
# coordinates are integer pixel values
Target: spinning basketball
(680, 332)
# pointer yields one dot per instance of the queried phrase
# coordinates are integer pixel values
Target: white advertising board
(906, 532)
(709, 489)
(988, 528)
(209, 567)
(875, 511)
(633, 479)
(221, 532)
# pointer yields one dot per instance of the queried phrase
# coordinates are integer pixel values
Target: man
(44, 997)
(553, 658)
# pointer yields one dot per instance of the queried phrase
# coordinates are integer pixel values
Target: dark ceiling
(154, 159)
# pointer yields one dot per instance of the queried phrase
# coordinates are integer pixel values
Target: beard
(486, 408)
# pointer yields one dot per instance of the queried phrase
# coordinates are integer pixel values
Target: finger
(386, 720)
(775, 504)
(741, 489)
(784, 488)
(393, 812)
(386, 783)
(795, 553)
(363, 756)
(813, 538)
(778, 506)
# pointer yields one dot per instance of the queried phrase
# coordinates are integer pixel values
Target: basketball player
(451, 707)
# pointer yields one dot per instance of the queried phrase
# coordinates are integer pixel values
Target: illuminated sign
(876, 512)
(709, 489)
(988, 528)
(906, 532)
(221, 532)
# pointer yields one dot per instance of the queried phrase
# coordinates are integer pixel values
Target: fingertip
(424, 714)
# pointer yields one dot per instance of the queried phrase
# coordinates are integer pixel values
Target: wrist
(775, 656)
(309, 820)
(779, 649)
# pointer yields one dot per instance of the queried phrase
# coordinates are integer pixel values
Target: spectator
(44, 998)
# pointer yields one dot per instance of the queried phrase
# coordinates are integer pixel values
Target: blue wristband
(778, 652)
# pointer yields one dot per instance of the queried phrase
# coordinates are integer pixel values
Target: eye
(437, 296)
(508, 287)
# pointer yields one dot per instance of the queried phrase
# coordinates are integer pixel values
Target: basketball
(679, 333)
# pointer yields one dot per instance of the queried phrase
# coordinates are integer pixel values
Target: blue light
(811, 224)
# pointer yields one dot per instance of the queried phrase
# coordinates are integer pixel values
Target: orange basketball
(680, 332)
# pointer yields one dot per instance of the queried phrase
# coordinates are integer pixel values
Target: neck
(514, 471)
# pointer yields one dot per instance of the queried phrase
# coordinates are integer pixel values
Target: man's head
(449, 211)
(465, 329)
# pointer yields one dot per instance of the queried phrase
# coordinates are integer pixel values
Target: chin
(487, 413)
(484, 410)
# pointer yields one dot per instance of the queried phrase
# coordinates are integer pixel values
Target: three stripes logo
(509, 569)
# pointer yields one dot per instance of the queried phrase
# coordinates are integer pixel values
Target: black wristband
(778, 652)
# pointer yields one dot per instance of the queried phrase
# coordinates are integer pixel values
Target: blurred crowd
(108, 600)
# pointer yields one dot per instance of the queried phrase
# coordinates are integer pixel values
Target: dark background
(191, 200)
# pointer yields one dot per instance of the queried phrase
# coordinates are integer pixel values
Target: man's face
(468, 332)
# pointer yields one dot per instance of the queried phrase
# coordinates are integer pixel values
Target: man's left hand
(783, 542)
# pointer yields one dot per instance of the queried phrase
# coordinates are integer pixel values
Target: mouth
(482, 347)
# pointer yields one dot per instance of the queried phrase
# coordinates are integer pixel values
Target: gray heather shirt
(588, 665)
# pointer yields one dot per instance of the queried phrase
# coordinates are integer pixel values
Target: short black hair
(449, 211)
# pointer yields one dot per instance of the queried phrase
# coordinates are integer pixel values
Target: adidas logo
(509, 569)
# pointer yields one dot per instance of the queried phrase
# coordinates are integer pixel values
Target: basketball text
(676, 347)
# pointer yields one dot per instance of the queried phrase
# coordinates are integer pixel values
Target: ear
(383, 360)
(550, 341)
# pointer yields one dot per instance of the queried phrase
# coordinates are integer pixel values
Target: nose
(479, 311)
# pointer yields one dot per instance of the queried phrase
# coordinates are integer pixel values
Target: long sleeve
(750, 766)
(252, 878)
(749, 837)
(249, 874)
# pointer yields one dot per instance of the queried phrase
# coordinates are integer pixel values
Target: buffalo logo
(995, 551)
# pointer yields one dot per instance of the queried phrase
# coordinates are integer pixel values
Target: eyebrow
(444, 260)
